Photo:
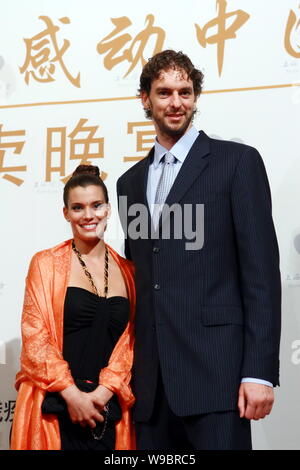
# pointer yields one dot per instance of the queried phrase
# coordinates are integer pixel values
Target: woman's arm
(41, 360)
(116, 376)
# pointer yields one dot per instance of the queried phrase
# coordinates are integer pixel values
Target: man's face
(171, 102)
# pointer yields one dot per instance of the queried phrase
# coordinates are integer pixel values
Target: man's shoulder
(232, 146)
(236, 155)
(131, 172)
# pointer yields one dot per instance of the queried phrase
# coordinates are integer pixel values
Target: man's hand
(255, 400)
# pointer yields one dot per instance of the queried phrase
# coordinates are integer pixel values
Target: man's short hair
(166, 60)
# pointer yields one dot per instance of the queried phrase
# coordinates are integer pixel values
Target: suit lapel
(192, 167)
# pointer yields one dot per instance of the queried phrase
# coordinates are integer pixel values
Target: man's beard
(166, 130)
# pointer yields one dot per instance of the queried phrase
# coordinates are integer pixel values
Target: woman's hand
(100, 396)
(84, 408)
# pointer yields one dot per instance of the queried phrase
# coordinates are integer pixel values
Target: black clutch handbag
(54, 403)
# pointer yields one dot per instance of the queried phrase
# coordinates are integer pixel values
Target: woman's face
(87, 212)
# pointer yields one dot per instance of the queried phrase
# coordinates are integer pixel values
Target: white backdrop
(69, 71)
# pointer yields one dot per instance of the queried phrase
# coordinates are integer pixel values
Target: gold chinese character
(134, 52)
(143, 142)
(18, 147)
(291, 33)
(223, 33)
(43, 52)
(80, 148)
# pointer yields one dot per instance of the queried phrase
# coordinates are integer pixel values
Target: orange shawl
(42, 365)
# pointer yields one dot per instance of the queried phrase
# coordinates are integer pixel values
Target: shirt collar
(179, 150)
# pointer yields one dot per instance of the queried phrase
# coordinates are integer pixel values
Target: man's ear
(145, 100)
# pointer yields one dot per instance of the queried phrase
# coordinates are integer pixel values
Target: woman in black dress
(96, 312)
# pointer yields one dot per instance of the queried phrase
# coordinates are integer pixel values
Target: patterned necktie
(165, 183)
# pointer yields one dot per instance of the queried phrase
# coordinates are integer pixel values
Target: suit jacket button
(156, 286)
(156, 249)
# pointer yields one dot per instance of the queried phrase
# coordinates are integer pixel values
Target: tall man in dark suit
(208, 307)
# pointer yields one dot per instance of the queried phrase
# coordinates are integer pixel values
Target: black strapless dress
(92, 327)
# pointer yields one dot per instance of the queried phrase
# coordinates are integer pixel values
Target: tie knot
(169, 158)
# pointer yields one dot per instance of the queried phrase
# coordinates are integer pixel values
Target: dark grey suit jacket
(211, 316)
